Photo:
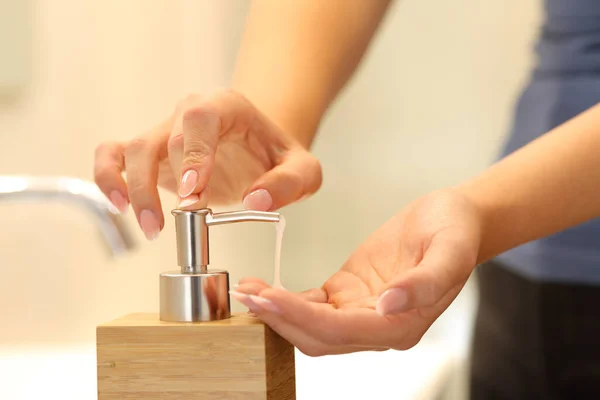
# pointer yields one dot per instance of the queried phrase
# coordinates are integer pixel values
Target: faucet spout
(76, 191)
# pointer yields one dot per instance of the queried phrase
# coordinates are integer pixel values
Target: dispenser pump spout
(191, 229)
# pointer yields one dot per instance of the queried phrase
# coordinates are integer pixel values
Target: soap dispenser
(194, 292)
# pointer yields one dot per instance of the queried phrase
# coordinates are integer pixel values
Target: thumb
(298, 175)
(444, 266)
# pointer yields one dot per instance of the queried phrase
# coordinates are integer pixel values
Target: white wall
(429, 107)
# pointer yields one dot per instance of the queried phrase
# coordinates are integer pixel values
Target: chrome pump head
(195, 292)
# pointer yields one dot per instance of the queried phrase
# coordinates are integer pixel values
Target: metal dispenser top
(195, 292)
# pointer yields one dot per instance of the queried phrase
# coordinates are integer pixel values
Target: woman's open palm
(390, 290)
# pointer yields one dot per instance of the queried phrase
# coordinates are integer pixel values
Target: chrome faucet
(82, 193)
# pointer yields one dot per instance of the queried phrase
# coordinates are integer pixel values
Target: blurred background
(429, 107)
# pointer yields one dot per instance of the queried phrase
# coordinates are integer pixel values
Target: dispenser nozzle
(192, 233)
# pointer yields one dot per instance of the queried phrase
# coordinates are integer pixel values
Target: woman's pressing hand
(391, 289)
(215, 150)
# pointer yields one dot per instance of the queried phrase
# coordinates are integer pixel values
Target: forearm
(547, 186)
(296, 56)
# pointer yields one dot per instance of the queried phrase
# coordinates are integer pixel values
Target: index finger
(200, 124)
(255, 286)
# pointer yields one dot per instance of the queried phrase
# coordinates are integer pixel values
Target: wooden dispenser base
(141, 357)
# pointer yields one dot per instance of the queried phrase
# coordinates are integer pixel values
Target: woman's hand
(217, 150)
(389, 292)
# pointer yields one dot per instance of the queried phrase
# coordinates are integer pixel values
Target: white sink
(420, 373)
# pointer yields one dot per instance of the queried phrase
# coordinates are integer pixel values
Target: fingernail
(392, 301)
(149, 224)
(188, 201)
(119, 201)
(245, 300)
(263, 303)
(259, 200)
(188, 183)
(236, 285)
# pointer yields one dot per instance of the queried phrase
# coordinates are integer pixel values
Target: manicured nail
(119, 201)
(259, 200)
(149, 224)
(188, 183)
(245, 300)
(263, 303)
(188, 201)
(392, 301)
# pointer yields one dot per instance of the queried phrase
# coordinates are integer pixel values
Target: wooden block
(141, 357)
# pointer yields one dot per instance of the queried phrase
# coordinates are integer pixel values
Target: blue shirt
(564, 83)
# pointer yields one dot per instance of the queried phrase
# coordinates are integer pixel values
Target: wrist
(487, 213)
